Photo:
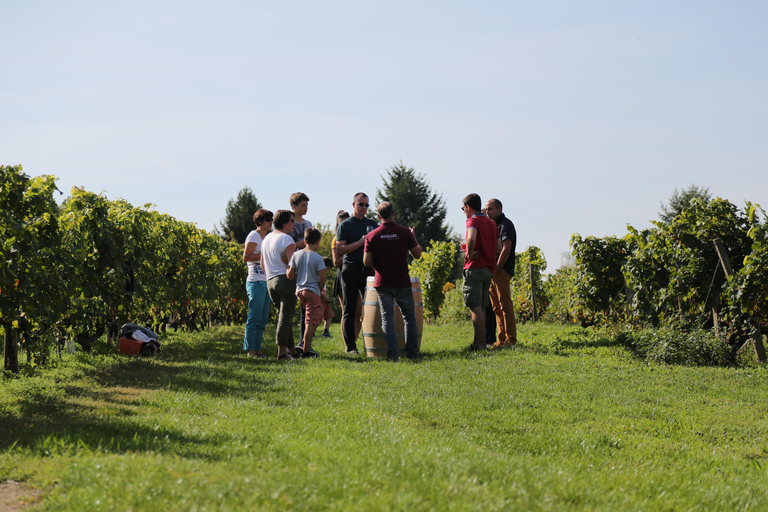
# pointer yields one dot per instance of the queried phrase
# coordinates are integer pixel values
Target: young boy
(327, 311)
(299, 205)
(308, 268)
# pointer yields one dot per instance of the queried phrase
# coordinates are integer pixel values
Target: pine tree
(238, 219)
(415, 203)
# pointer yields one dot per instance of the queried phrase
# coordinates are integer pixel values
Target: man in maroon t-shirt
(479, 264)
(386, 250)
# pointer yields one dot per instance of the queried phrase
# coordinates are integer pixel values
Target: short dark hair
(473, 201)
(298, 197)
(328, 262)
(386, 210)
(496, 203)
(312, 236)
(262, 216)
(282, 217)
(359, 195)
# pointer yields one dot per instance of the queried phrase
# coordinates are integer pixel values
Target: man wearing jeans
(501, 296)
(386, 250)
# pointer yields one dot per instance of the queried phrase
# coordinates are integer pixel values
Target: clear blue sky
(579, 116)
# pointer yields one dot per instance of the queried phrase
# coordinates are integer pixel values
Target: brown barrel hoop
(373, 335)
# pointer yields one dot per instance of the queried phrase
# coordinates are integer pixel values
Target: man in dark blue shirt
(350, 238)
(501, 296)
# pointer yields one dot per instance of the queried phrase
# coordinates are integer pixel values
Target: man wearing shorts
(479, 263)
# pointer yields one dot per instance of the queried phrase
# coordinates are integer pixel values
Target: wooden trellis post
(533, 294)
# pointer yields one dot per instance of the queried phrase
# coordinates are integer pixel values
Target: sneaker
(353, 352)
(310, 354)
(286, 357)
(326, 334)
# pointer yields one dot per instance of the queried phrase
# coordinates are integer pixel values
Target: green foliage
(674, 269)
(599, 278)
(29, 249)
(453, 310)
(748, 289)
(415, 204)
(530, 262)
(95, 260)
(433, 270)
(564, 303)
(675, 346)
(682, 200)
(238, 217)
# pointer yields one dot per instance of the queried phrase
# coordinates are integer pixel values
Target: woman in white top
(276, 253)
(256, 285)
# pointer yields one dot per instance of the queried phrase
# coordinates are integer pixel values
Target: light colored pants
(501, 300)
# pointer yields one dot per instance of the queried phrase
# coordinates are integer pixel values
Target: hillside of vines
(69, 271)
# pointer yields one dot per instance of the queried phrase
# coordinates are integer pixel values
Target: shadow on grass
(60, 417)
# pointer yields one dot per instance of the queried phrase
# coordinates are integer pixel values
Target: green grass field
(567, 421)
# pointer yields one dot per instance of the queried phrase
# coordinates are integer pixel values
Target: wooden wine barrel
(373, 335)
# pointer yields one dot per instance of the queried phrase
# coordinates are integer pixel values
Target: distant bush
(675, 346)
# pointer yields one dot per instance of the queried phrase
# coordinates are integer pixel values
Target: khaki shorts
(477, 283)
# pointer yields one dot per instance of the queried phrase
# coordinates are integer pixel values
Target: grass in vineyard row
(548, 426)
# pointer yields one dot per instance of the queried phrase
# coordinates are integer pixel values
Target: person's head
(386, 210)
(328, 262)
(360, 205)
(299, 203)
(282, 220)
(471, 205)
(492, 208)
(262, 216)
(341, 216)
(312, 236)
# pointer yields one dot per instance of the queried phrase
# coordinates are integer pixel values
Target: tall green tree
(238, 219)
(415, 203)
(682, 200)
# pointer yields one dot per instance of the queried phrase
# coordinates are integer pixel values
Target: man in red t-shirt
(386, 250)
(479, 263)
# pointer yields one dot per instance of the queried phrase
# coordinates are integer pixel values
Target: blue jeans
(258, 314)
(404, 297)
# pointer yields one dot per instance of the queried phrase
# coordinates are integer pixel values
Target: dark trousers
(353, 278)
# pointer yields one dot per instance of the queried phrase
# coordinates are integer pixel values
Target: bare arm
(338, 259)
(291, 273)
(286, 256)
(321, 280)
(471, 239)
(415, 251)
(248, 254)
(368, 259)
(506, 251)
(342, 247)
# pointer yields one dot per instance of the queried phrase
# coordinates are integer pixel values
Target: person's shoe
(392, 359)
(286, 357)
(309, 355)
(326, 334)
(353, 352)
(413, 357)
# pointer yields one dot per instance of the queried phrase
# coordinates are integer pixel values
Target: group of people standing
(284, 265)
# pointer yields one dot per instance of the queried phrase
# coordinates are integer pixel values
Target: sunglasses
(363, 205)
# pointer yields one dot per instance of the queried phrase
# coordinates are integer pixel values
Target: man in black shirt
(350, 239)
(501, 296)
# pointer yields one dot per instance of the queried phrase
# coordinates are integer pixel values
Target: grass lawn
(567, 421)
